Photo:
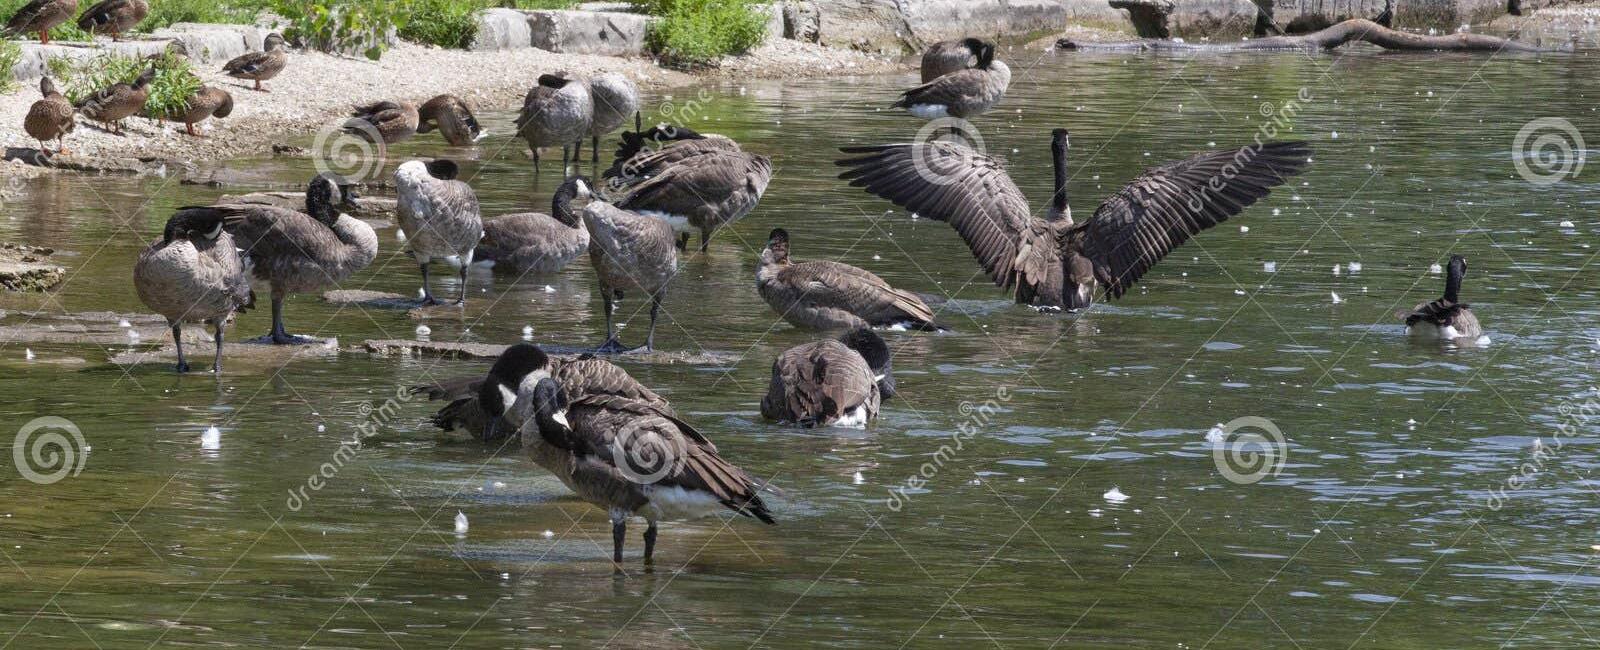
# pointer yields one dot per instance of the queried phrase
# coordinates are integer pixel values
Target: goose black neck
(1058, 157)
(1452, 281)
(561, 205)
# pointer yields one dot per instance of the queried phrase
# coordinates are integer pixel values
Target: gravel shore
(317, 90)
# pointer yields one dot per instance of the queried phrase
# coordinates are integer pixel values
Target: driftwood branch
(1359, 29)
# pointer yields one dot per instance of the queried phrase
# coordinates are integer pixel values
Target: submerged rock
(27, 268)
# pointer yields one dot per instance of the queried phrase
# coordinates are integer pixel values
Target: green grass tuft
(698, 32)
(175, 82)
(10, 55)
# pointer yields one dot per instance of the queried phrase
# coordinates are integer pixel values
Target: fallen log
(1358, 29)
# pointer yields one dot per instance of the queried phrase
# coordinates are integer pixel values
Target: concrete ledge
(589, 32)
(207, 44)
(502, 29)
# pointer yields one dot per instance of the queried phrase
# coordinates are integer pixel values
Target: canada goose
(260, 66)
(637, 147)
(40, 16)
(629, 252)
(556, 111)
(1054, 262)
(629, 456)
(705, 184)
(301, 251)
(963, 93)
(533, 242)
(50, 118)
(465, 415)
(193, 275)
(206, 102)
(439, 216)
(1447, 317)
(615, 98)
(383, 123)
(833, 382)
(113, 17)
(452, 117)
(118, 102)
(945, 57)
(824, 295)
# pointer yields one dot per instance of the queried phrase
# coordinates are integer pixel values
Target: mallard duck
(120, 101)
(175, 49)
(1446, 318)
(824, 294)
(452, 117)
(556, 111)
(1054, 262)
(630, 456)
(831, 383)
(50, 118)
(260, 66)
(963, 93)
(113, 17)
(440, 217)
(206, 102)
(40, 16)
(193, 275)
(383, 123)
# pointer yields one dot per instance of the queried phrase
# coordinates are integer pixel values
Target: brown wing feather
(835, 284)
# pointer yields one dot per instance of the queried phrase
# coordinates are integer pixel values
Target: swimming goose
(40, 16)
(615, 98)
(118, 102)
(205, 103)
(945, 57)
(452, 117)
(556, 111)
(629, 252)
(823, 294)
(260, 66)
(113, 17)
(383, 123)
(193, 275)
(629, 456)
(1447, 317)
(830, 383)
(963, 93)
(704, 184)
(1055, 262)
(301, 251)
(50, 118)
(439, 216)
(533, 242)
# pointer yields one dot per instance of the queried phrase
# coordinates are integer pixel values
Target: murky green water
(1376, 532)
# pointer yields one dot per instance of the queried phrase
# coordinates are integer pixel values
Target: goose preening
(452, 117)
(113, 17)
(534, 242)
(964, 93)
(118, 102)
(1446, 318)
(1054, 261)
(39, 17)
(204, 103)
(629, 252)
(50, 118)
(823, 294)
(945, 57)
(633, 457)
(383, 123)
(831, 383)
(615, 99)
(193, 275)
(439, 216)
(260, 66)
(699, 182)
(557, 111)
(301, 251)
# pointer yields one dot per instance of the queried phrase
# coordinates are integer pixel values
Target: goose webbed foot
(285, 338)
(611, 346)
(650, 544)
(683, 241)
(639, 349)
(1048, 309)
(183, 366)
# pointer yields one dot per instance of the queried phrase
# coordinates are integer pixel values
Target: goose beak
(561, 418)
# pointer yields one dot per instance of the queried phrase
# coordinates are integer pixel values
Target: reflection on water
(1375, 528)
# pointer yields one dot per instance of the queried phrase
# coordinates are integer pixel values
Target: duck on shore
(112, 105)
(113, 17)
(207, 102)
(193, 275)
(260, 66)
(39, 17)
(52, 117)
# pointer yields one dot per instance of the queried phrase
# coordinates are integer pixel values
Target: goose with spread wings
(1054, 261)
